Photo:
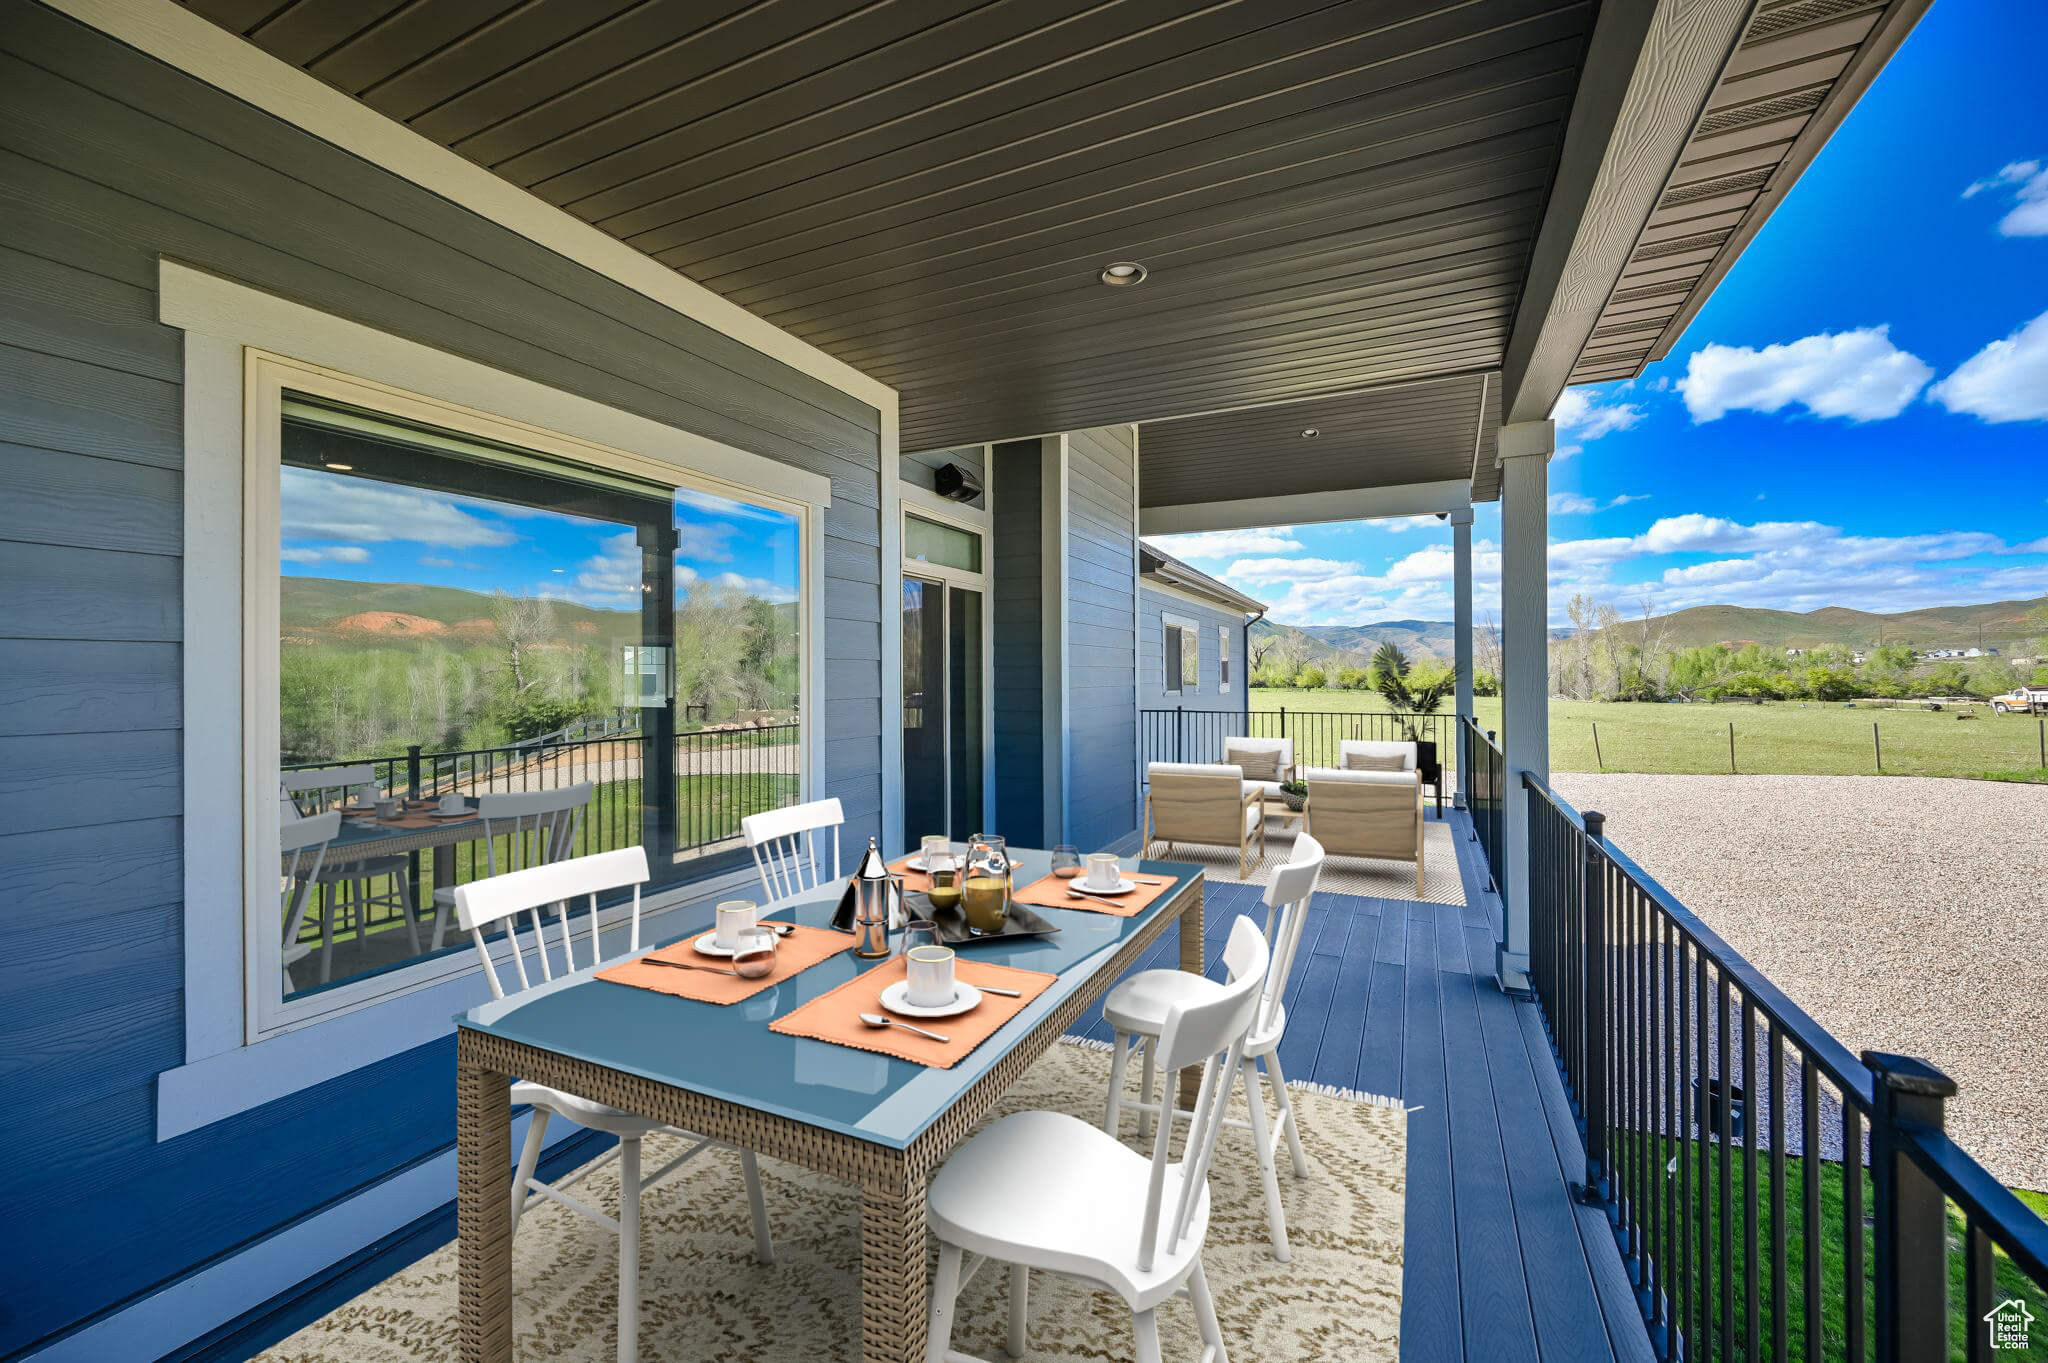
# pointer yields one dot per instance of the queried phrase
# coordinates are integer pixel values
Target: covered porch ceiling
(1399, 223)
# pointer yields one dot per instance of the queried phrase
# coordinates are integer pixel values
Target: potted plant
(1412, 703)
(1295, 793)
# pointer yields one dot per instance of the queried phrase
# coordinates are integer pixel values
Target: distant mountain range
(376, 614)
(2000, 624)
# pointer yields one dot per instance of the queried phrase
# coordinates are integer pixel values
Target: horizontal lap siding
(1017, 693)
(108, 161)
(919, 468)
(1154, 605)
(1102, 798)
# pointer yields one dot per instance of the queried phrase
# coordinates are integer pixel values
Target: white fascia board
(1307, 508)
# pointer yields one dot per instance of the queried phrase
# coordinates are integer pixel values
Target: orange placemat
(912, 880)
(799, 951)
(836, 1016)
(1050, 892)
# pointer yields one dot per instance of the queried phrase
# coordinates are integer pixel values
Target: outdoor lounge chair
(1208, 804)
(1283, 748)
(1374, 814)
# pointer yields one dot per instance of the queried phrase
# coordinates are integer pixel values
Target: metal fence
(1182, 735)
(1485, 781)
(1773, 1195)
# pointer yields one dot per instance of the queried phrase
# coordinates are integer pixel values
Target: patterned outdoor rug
(704, 1300)
(1441, 883)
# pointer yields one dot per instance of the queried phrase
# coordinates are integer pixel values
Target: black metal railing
(1184, 735)
(1773, 1195)
(1485, 787)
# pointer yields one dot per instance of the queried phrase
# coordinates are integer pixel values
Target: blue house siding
(109, 161)
(1154, 605)
(1018, 687)
(1101, 637)
(920, 468)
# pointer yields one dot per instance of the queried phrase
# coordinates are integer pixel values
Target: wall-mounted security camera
(952, 481)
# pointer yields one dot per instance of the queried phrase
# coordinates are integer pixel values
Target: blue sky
(1850, 419)
(340, 526)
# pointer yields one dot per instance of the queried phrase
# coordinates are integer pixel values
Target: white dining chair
(302, 848)
(1044, 1190)
(786, 843)
(315, 790)
(535, 826)
(349, 889)
(1138, 1008)
(555, 885)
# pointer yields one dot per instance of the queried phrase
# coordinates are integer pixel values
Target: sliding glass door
(944, 680)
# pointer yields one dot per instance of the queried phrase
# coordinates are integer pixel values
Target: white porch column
(1525, 448)
(1461, 596)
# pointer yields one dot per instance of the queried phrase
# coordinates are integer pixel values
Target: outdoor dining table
(871, 1119)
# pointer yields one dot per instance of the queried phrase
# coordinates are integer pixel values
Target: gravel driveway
(1906, 914)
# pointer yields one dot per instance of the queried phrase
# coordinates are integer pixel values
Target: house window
(1180, 653)
(1223, 658)
(458, 616)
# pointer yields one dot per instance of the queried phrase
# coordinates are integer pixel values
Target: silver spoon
(878, 1021)
(685, 965)
(1100, 899)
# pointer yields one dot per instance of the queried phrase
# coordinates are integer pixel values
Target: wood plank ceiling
(1328, 196)
(1413, 433)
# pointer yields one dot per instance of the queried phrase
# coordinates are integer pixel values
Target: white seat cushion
(1140, 1003)
(584, 1111)
(1269, 789)
(1050, 1191)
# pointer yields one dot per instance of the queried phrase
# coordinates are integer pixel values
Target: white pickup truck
(2021, 700)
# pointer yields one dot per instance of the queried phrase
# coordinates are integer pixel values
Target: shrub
(1354, 678)
(1311, 678)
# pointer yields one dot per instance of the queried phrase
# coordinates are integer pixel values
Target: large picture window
(490, 656)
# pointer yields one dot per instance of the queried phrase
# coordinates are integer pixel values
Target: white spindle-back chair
(505, 900)
(1136, 1010)
(302, 847)
(536, 827)
(319, 789)
(1048, 1191)
(786, 843)
(346, 889)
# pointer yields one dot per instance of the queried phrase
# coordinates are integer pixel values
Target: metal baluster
(1684, 1143)
(1852, 1229)
(1750, 1237)
(1809, 1198)
(1725, 1129)
(1776, 1086)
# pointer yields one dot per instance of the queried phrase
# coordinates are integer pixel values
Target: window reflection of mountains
(317, 610)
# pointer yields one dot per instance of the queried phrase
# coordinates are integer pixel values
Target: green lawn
(1779, 737)
(1704, 1186)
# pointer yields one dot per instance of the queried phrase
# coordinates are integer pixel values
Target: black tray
(954, 932)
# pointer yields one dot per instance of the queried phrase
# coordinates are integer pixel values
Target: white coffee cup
(929, 972)
(1104, 871)
(733, 915)
(451, 803)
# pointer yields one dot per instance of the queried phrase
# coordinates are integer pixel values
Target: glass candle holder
(1066, 861)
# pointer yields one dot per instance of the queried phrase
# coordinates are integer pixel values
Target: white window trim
(1189, 686)
(235, 346)
(1222, 660)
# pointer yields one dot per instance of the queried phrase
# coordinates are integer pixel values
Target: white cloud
(320, 506)
(610, 580)
(1578, 504)
(762, 587)
(1856, 374)
(2005, 381)
(1582, 415)
(1266, 571)
(2028, 181)
(325, 553)
(1277, 539)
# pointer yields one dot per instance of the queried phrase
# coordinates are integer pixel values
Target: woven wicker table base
(892, 1181)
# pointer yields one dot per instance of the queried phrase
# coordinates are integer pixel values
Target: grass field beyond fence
(1801, 738)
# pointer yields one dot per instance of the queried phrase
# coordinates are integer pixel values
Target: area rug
(1441, 883)
(704, 1300)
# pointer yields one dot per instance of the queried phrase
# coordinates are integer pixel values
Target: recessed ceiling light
(339, 468)
(1309, 433)
(1123, 274)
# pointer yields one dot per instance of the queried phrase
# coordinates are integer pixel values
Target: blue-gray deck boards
(1397, 998)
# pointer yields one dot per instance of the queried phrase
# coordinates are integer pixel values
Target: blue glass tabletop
(727, 1052)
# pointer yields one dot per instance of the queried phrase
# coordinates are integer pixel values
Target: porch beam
(1525, 449)
(1461, 614)
(1649, 70)
(1308, 508)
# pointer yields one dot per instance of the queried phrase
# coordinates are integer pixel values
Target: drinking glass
(753, 954)
(919, 932)
(945, 889)
(1066, 861)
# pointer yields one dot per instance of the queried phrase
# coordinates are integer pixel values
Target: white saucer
(1122, 886)
(965, 996)
(452, 814)
(708, 944)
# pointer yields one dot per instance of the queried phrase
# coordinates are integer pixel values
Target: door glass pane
(924, 709)
(460, 619)
(947, 546)
(964, 654)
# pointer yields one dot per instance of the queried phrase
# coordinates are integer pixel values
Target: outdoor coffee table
(870, 1119)
(1272, 808)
